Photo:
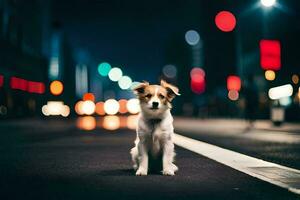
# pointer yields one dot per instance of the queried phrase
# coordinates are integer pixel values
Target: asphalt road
(280, 152)
(55, 160)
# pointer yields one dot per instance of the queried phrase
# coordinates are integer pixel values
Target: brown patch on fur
(166, 92)
(172, 90)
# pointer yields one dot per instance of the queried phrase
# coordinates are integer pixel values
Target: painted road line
(276, 174)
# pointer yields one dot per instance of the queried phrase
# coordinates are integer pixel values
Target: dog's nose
(155, 104)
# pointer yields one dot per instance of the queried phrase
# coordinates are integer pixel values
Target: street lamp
(268, 3)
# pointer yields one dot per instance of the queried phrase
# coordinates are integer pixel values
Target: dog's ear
(172, 90)
(140, 88)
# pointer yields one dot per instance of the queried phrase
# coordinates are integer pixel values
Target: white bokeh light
(111, 106)
(281, 91)
(88, 107)
(125, 82)
(115, 74)
(268, 3)
(133, 106)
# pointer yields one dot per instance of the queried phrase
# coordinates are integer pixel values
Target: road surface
(53, 159)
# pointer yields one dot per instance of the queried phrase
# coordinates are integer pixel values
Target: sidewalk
(234, 124)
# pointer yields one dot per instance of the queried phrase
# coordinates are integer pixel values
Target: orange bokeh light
(123, 106)
(100, 108)
(78, 108)
(56, 88)
(233, 95)
(87, 123)
(89, 97)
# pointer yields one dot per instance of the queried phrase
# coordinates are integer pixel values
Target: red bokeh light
(36, 87)
(18, 83)
(1, 80)
(198, 86)
(88, 97)
(234, 83)
(225, 21)
(197, 80)
(196, 72)
(270, 56)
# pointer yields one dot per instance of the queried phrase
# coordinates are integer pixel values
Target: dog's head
(156, 99)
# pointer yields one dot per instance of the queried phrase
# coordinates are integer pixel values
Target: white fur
(154, 138)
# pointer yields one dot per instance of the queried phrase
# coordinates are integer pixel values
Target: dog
(154, 128)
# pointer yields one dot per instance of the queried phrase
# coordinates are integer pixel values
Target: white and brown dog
(155, 128)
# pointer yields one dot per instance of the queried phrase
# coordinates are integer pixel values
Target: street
(53, 159)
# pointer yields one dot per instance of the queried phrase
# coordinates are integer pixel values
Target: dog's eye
(149, 95)
(161, 96)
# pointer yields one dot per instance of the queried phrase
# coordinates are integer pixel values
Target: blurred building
(26, 46)
(23, 47)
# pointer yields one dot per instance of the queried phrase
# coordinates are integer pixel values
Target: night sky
(136, 35)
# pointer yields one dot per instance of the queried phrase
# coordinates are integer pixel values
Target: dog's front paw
(168, 172)
(141, 172)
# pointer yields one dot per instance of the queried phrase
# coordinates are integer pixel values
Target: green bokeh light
(104, 68)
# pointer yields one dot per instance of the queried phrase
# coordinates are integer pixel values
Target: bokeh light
(100, 108)
(295, 79)
(87, 123)
(56, 108)
(88, 107)
(197, 80)
(192, 37)
(115, 74)
(133, 106)
(88, 97)
(56, 87)
(78, 108)
(111, 106)
(104, 68)
(285, 101)
(45, 110)
(197, 72)
(280, 91)
(234, 83)
(233, 95)
(125, 82)
(170, 71)
(225, 21)
(65, 111)
(270, 75)
(111, 122)
(270, 54)
(1, 80)
(268, 3)
(123, 108)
